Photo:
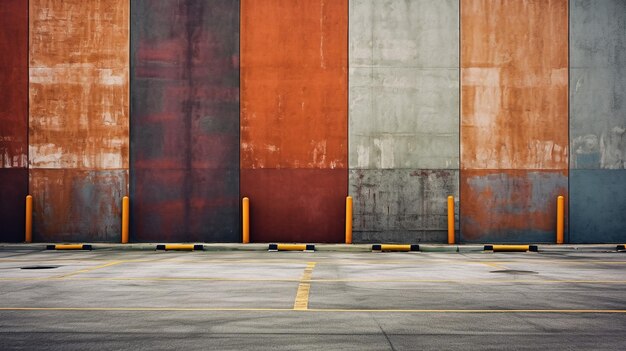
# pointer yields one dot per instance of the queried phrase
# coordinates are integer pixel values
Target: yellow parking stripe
(302, 295)
(85, 270)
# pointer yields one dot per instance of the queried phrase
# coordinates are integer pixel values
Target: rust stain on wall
(294, 84)
(510, 205)
(79, 84)
(77, 205)
(78, 73)
(14, 83)
(185, 125)
(514, 78)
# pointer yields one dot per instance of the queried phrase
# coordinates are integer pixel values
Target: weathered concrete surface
(77, 205)
(294, 118)
(294, 84)
(597, 205)
(400, 205)
(185, 125)
(598, 84)
(14, 83)
(13, 191)
(78, 135)
(404, 117)
(514, 84)
(296, 205)
(508, 206)
(404, 93)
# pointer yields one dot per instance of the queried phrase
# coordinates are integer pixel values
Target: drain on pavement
(513, 271)
(40, 267)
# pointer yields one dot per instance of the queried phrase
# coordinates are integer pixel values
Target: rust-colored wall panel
(14, 84)
(294, 84)
(79, 84)
(301, 205)
(13, 190)
(77, 205)
(514, 79)
(185, 125)
(510, 205)
(78, 132)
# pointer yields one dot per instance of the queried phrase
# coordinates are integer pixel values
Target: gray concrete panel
(404, 118)
(597, 206)
(598, 84)
(407, 205)
(404, 33)
(404, 84)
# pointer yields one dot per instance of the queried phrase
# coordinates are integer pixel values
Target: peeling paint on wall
(510, 205)
(78, 133)
(185, 125)
(514, 79)
(77, 205)
(294, 117)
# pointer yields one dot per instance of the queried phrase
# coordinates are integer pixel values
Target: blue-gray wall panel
(597, 206)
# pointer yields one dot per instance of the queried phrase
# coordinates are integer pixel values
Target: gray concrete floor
(144, 300)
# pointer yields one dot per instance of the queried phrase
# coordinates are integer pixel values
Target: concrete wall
(185, 120)
(514, 118)
(404, 117)
(13, 118)
(294, 118)
(78, 127)
(598, 121)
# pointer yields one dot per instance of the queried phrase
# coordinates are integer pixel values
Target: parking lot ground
(148, 300)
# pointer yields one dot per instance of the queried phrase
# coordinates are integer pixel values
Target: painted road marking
(302, 296)
(226, 309)
(85, 270)
(278, 280)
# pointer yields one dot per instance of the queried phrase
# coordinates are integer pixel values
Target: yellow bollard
(349, 220)
(125, 215)
(29, 220)
(245, 226)
(450, 219)
(560, 208)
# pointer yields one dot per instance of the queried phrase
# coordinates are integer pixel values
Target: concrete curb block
(396, 248)
(69, 247)
(180, 247)
(511, 248)
(620, 247)
(291, 247)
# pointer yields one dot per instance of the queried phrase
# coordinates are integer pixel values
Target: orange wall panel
(294, 84)
(79, 84)
(514, 79)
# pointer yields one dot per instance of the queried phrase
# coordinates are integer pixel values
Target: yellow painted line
(493, 264)
(279, 280)
(304, 288)
(334, 310)
(85, 270)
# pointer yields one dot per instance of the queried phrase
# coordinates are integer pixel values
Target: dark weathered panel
(294, 84)
(13, 191)
(185, 124)
(77, 205)
(597, 206)
(510, 205)
(185, 205)
(401, 205)
(14, 84)
(296, 205)
(514, 84)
